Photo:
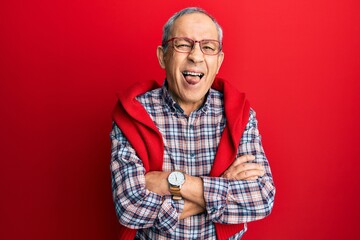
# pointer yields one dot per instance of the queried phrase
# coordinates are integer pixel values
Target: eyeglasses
(186, 45)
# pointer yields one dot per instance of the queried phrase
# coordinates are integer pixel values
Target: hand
(190, 209)
(156, 181)
(241, 169)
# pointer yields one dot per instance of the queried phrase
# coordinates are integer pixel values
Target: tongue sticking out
(192, 78)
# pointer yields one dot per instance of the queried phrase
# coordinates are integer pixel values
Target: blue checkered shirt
(190, 145)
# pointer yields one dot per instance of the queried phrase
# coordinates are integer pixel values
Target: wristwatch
(176, 179)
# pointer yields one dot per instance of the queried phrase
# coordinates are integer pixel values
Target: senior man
(187, 160)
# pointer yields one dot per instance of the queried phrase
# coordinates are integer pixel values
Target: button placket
(190, 131)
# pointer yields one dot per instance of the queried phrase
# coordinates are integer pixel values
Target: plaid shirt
(190, 145)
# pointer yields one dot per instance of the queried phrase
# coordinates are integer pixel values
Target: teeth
(186, 73)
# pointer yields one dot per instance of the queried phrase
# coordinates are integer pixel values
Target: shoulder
(151, 99)
(216, 99)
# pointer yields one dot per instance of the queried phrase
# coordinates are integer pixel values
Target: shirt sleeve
(136, 207)
(239, 201)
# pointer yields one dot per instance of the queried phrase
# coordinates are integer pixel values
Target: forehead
(194, 25)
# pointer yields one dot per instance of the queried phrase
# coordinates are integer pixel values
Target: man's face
(189, 91)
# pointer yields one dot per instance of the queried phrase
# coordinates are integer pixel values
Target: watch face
(176, 178)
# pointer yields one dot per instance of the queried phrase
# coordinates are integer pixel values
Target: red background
(63, 61)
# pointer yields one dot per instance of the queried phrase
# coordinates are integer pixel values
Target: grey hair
(169, 24)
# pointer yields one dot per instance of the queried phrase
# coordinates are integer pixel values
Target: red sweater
(137, 126)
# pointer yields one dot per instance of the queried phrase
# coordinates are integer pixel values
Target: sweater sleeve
(238, 201)
(137, 207)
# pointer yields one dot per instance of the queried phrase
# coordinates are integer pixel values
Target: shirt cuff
(215, 194)
(168, 215)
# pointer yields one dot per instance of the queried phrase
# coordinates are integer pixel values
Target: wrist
(193, 190)
(176, 179)
(156, 181)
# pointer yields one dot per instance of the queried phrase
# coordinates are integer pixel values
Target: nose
(196, 55)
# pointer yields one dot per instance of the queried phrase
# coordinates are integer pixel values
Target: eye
(183, 44)
(209, 46)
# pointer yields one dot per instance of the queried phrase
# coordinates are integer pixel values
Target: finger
(248, 166)
(229, 174)
(240, 165)
(232, 172)
(243, 159)
(250, 174)
(244, 175)
(250, 179)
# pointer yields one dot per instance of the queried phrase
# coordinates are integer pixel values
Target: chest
(190, 143)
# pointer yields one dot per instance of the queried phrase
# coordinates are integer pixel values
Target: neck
(187, 106)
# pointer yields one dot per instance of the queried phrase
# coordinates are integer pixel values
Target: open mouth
(192, 74)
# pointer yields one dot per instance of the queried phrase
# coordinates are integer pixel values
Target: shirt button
(192, 155)
(191, 126)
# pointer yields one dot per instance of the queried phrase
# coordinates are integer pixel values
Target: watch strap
(175, 192)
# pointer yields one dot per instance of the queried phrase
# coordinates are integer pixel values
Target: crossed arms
(193, 190)
(245, 192)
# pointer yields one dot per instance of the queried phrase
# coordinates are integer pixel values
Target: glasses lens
(210, 47)
(183, 45)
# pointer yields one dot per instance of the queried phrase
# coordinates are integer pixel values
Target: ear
(220, 61)
(161, 56)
